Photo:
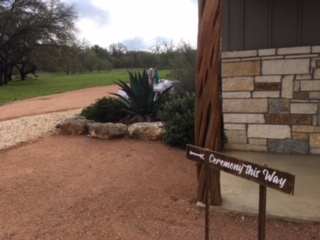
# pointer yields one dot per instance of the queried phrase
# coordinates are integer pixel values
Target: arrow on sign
(199, 155)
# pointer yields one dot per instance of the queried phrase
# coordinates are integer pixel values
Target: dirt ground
(75, 187)
(56, 102)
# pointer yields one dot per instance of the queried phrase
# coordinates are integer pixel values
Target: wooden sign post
(263, 175)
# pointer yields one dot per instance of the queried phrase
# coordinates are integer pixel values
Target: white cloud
(87, 10)
(142, 21)
(135, 43)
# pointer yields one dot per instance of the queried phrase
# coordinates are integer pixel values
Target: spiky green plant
(141, 102)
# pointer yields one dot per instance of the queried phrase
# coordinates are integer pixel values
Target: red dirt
(67, 187)
(56, 102)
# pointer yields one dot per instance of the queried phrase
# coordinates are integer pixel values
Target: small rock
(73, 126)
(150, 131)
(107, 130)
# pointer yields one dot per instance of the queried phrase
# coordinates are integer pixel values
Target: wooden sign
(262, 175)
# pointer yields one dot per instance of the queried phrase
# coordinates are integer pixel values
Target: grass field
(47, 84)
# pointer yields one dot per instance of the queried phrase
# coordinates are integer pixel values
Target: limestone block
(294, 50)
(316, 74)
(296, 86)
(315, 140)
(269, 131)
(316, 49)
(304, 108)
(315, 120)
(150, 131)
(300, 136)
(279, 106)
(319, 115)
(240, 69)
(236, 136)
(245, 105)
(303, 77)
(301, 56)
(243, 118)
(311, 85)
(305, 129)
(267, 86)
(314, 95)
(313, 63)
(267, 79)
(73, 126)
(237, 84)
(315, 150)
(245, 147)
(301, 95)
(230, 126)
(267, 52)
(239, 54)
(266, 94)
(258, 141)
(236, 95)
(287, 87)
(286, 66)
(288, 146)
(297, 119)
(107, 130)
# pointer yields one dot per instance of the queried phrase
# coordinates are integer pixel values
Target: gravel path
(30, 119)
(17, 131)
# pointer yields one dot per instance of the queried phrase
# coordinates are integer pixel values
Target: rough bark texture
(208, 110)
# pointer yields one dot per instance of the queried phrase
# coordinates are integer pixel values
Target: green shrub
(183, 68)
(178, 115)
(105, 110)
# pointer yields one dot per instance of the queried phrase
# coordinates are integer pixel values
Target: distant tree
(148, 59)
(103, 62)
(162, 47)
(116, 54)
(102, 53)
(49, 58)
(183, 68)
(29, 24)
(89, 59)
(117, 50)
(134, 56)
(69, 59)
(163, 52)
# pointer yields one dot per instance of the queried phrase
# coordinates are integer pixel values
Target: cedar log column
(208, 109)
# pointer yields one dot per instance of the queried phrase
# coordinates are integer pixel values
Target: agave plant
(141, 101)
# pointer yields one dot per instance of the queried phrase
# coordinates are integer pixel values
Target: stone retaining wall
(271, 100)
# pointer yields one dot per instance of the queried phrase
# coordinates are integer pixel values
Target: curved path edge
(55, 103)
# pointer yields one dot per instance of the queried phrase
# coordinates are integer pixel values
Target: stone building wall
(271, 100)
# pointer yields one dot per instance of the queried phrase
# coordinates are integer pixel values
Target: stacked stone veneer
(271, 100)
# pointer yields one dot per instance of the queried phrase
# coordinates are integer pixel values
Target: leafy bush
(141, 102)
(105, 110)
(178, 115)
(183, 68)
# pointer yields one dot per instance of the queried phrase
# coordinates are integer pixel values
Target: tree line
(40, 35)
(80, 57)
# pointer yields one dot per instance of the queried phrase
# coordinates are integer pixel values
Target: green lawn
(47, 84)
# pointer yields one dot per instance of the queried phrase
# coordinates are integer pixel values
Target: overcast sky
(138, 24)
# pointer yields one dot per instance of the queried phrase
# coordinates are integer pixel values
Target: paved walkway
(238, 194)
(242, 195)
